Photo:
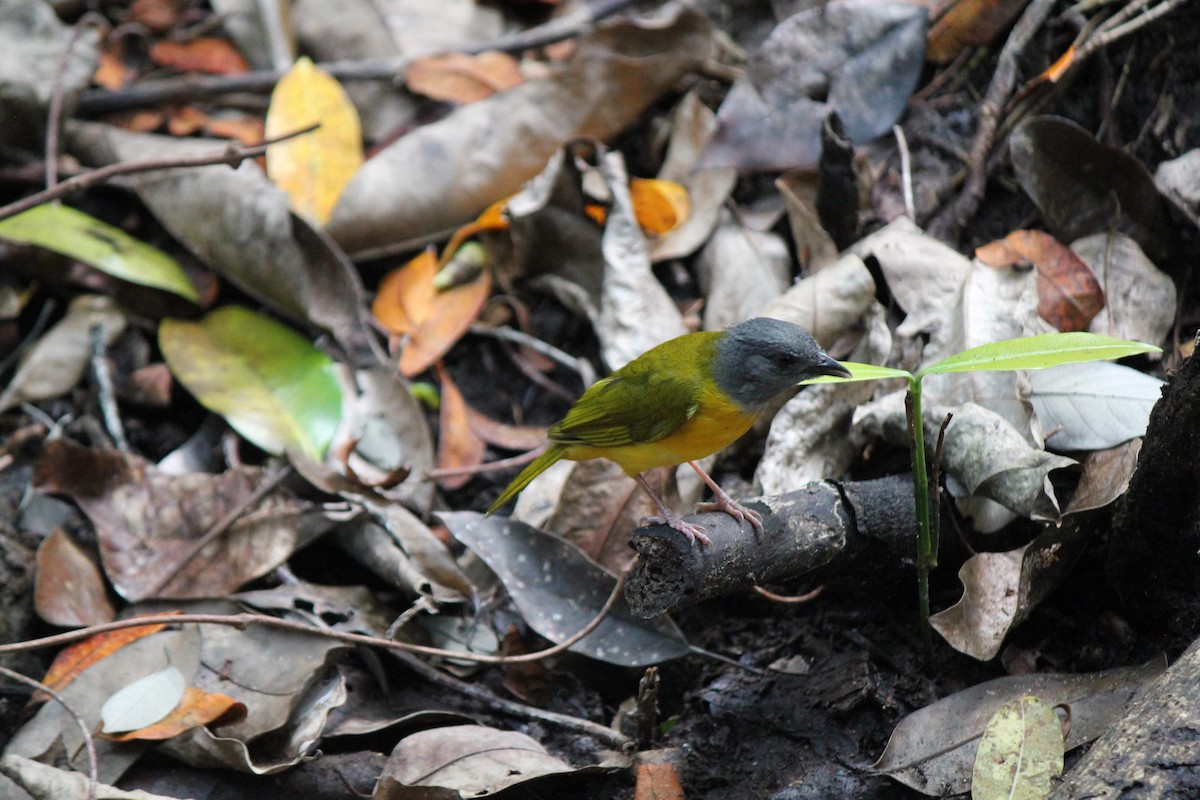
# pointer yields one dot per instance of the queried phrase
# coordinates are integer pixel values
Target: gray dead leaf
(238, 223)
(1093, 405)
(1139, 297)
(814, 245)
(1106, 475)
(466, 760)
(692, 125)
(44, 782)
(741, 272)
(57, 362)
(391, 433)
(558, 591)
(260, 30)
(636, 313)
(933, 750)
(830, 302)
(1001, 589)
(440, 575)
(1181, 176)
(984, 455)
(861, 60)
(35, 42)
(485, 151)
(143, 702)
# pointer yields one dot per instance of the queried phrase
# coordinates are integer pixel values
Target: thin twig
(88, 743)
(270, 481)
(191, 87)
(484, 695)
(230, 156)
(105, 395)
(1106, 34)
(54, 113)
(905, 171)
(479, 469)
(955, 216)
(243, 621)
(581, 366)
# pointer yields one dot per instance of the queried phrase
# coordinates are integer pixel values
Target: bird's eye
(785, 360)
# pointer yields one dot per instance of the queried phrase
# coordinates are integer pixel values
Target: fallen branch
(822, 524)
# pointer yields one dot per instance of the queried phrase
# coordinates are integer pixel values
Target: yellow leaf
(313, 168)
(660, 206)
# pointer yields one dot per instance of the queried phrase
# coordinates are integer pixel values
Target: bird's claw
(733, 508)
(694, 533)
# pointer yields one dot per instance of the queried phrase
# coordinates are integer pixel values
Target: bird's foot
(723, 502)
(695, 533)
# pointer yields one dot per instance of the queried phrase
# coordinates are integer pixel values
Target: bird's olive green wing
(629, 409)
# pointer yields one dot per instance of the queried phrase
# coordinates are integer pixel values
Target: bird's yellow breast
(717, 423)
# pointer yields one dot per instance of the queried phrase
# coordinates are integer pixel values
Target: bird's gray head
(762, 357)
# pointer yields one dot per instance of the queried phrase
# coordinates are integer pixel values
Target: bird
(681, 401)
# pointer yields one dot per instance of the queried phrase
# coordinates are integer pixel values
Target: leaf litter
(637, 262)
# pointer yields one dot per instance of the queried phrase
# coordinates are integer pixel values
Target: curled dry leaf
(54, 365)
(1069, 296)
(1001, 589)
(467, 760)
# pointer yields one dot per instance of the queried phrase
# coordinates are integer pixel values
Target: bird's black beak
(827, 366)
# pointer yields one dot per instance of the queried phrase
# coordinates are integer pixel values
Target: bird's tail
(535, 468)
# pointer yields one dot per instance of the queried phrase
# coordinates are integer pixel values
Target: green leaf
(860, 372)
(1020, 754)
(271, 384)
(110, 250)
(1038, 352)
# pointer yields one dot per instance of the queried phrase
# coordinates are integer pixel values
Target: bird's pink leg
(723, 502)
(666, 516)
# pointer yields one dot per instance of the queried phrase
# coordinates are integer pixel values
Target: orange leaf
(463, 79)
(408, 304)
(1069, 295)
(970, 23)
(660, 206)
(112, 72)
(76, 658)
(203, 54)
(197, 708)
(458, 446)
(657, 782)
